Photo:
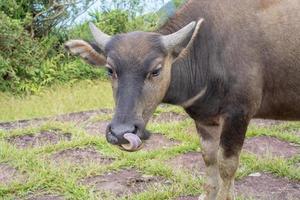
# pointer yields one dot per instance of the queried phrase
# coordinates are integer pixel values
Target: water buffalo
(223, 61)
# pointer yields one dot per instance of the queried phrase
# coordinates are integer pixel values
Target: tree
(41, 16)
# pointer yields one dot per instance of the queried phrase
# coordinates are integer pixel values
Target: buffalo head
(139, 66)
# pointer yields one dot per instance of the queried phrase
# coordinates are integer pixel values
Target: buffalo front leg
(210, 137)
(231, 142)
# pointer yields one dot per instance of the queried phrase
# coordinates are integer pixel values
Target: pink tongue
(134, 142)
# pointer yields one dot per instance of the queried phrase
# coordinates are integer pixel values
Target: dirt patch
(45, 197)
(158, 141)
(294, 131)
(187, 198)
(9, 174)
(291, 127)
(96, 128)
(123, 183)
(166, 117)
(192, 130)
(297, 133)
(40, 139)
(77, 118)
(266, 122)
(80, 117)
(191, 162)
(270, 146)
(269, 123)
(8, 126)
(268, 187)
(81, 156)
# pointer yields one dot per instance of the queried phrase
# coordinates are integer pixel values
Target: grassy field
(69, 158)
(80, 96)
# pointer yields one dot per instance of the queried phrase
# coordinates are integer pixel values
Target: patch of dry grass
(80, 96)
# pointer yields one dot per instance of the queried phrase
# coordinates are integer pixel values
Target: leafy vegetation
(27, 64)
(40, 17)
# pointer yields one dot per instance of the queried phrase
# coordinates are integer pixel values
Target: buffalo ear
(87, 51)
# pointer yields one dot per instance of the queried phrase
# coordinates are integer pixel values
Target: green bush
(114, 22)
(44, 16)
(27, 64)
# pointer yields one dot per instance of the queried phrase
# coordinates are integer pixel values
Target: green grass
(80, 96)
(43, 176)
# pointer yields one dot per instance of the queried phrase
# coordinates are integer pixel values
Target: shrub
(27, 64)
(114, 22)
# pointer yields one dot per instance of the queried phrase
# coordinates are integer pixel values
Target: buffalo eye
(110, 72)
(156, 72)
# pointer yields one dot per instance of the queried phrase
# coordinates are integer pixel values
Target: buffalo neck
(201, 67)
(200, 70)
(189, 75)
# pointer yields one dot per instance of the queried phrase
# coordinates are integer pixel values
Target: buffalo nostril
(108, 128)
(135, 129)
(111, 138)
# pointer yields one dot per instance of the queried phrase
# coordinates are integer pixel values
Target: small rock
(257, 174)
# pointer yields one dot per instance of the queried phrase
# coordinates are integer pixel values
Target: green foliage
(27, 64)
(120, 21)
(43, 16)
(112, 22)
(178, 3)
(16, 9)
(134, 7)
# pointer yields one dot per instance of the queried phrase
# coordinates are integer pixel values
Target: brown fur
(276, 39)
(265, 4)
